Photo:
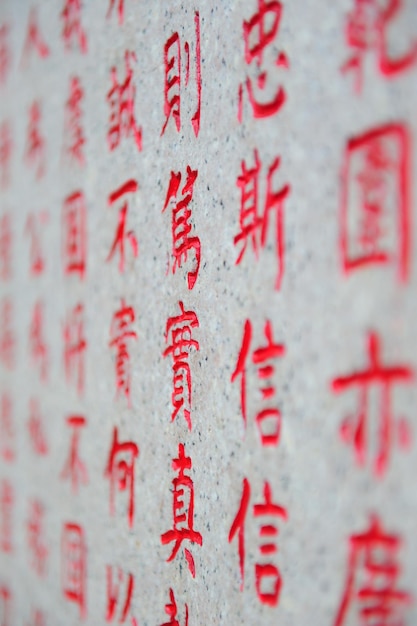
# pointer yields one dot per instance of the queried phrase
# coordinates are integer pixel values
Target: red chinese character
(35, 142)
(182, 511)
(35, 224)
(266, 96)
(7, 336)
(74, 138)
(261, 357)
(114, 595)
(121, 99)
(375, 205)
(120, 470)
(171, 611)
(120, 9)
(5, 606)
(38, 348)
(74, 234)
(178, 336)
(5, 247)
(36, 537)
(5, 55)
(182, 243)
(130, 186)
(121, 333)
(6, 516)
(74, 468)
(72, 30)
(367, 26)
(74, 566)
(36, 429)
(267, 575)
(173, 84)
(355, 429)
(7, 431)
(254, 227)
(75, 345)
(34, 40)
(6, 149)
(371, 593)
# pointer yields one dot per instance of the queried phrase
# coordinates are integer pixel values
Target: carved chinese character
(38, 349)
(355, 429)
(268, 579)
(7, 334)
(121, 99)
(74, 566)
(122, 235)
(171, 610)
(36, 429)
(181, 228)
(120, 470)
(35, 141)
(175, 84)
(178, 336)
(35, 528)
(72, 30)
(74, 138)
(371, 594)
(74, 469)
(265, 92)
(120, 9)
(182, 511)
(7, 429)
(5, 247)
(34, 41)
(254, 227)
(7, 501)
(75, 345)
(268, 419)
(6, 150)
(121, 334)
(5, 52)
(375, 203)
(74, 232)
(5, 605)
(366, 31)
(115, 599)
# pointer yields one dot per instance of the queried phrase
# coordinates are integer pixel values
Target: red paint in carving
(74, 233)
(254, 227)
(74, 138)
(182, 510)
(38, 348)
(34, 41)
(5, 53)
(182, 243)
(120, 9)
(74, 566)
(35, 224)
(74, 469)
(121, 99)
(121, 333)
(376, 200)
(6, 150)
(75, 345)
(120, 470)
(171, 610)
(7, 431)
(36, 429)
(178, 336)
(260, 356)
(5, 247)
(259, 35)
(35, 528)
(7, 334)
(121, 236)
(35, 142)
(114, 595)
(367, 26)
(7, 500)
(264, 572)
(371, 591)
(354, 429)
(172, 78)
(72, 30)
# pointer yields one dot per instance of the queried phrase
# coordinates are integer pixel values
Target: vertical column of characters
(74, 472)
(8, 434)
(375, 236)
(182, 81)
(123, 133)
(261, 97)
